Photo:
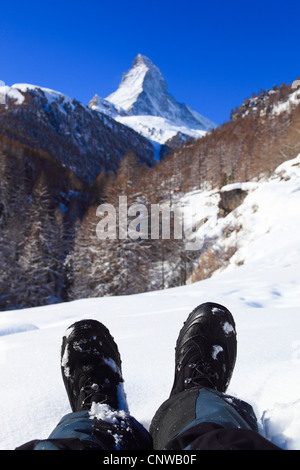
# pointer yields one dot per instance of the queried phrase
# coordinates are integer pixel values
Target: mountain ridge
(85, 141)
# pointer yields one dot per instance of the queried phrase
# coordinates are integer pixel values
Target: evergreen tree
(13, 224)
(38, 256)
(84, 260)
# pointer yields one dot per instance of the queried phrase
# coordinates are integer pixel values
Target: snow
(105, 107)
(216, 350)
(158, 129)
(228, 328)
(263, 295)
(105, 412)
(17, 93)
(142, 103)
(245, 186)
(286, 106)
(131, 85)
(51, 95)
(11, 93)
(155, 128)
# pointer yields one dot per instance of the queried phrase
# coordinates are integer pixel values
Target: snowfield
(157, 128)
(263, 295)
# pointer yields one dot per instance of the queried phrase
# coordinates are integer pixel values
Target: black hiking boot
(91, 367)
(205, 351)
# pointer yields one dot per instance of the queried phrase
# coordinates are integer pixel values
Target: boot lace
(92, 392)
(201, 372)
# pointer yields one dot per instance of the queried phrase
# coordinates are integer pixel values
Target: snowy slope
(84, 141)
(158, 129)
(132, 84)
(16, 93)
(288, 105)
(263, 294)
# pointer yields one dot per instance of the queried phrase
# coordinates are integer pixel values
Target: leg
(204, 419)
(100, 419)
(84, 430)
(198, 414)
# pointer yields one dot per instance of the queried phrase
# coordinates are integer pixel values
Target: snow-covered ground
(263, 294)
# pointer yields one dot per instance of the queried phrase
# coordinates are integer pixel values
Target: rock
(230, 199)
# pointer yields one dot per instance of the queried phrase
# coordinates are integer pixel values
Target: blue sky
(213, 54)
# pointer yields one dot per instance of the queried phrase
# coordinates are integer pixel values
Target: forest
(49, 248)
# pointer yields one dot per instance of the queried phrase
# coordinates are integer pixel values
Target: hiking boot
(91, 367)
(205, 351)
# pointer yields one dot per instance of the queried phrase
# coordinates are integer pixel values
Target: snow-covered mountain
(273, 102)
(143, 103)
(83, 140)
(263, 294)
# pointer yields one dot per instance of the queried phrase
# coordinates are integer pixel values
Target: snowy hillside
(143, 103)
(260, 286)
(17, 93)
(158, 129)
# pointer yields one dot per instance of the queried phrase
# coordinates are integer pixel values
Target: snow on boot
(91, 367)
(206, 349)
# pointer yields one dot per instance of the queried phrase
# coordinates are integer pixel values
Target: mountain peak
(143, 92)
(144, 60)
(144, 64)
(137, 87)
